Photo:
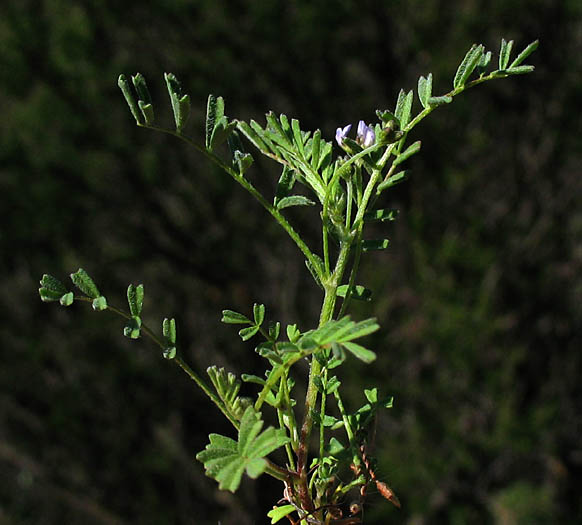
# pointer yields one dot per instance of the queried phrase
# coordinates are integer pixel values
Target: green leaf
(248, 332)
(132, 328)
(278, 513)
(252, 135)
(125, 87)
(439, 101)
(274, 330)
(99, 304)
(214, 112)
(315, 149)
(375, 244)
(524, 54)
(67, 299)
(333, 383)
(484, 63)
(141, 88)
(285, 184)
(227, 387)
(389, 214)
(226, 460)
(249, 378)
(147, 110)
(259, 313)
(371, 395)
(169, 330)
(84, 283)
(404, 107)
(51, 289)
(221, 131)
(169, 352)
(358, 292)
(315, 271)
(392, 181)
(180, 103)
(425, 90)
(294, 200)
(468, 65)
(357, 330)
(293, 333)
(504, 53)
(363, 354)
(135, 299)
(297, 136)
(277, 132)
(232, 317)
(407, 153)
(519, 70)
(386, 116)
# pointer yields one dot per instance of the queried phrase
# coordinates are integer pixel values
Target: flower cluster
(365, 137)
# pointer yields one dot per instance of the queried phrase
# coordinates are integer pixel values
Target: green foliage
(180, 102)
(345, 188)
(227, 387)
(84, 283)
(226, 460)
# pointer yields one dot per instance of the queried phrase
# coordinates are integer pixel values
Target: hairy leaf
(524, 54)
(504, 53)
(425, 90)
(169, 330)
(225, 459)
(125, 87)
(468, 65)
(232, 317)
(135, 299)
(294, 200)
(84, 283)
(404, 107)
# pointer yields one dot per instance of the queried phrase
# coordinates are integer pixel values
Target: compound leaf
(226, 460)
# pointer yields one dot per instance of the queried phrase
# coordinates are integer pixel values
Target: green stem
(353, 273)
(348, 428)
(288, 447)
(252, 190)
(272, 469)
(322, 416)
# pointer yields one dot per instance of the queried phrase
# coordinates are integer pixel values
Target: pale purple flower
(366, 136)
(341, 133)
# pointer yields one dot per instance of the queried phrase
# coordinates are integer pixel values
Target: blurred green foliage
(479, 297)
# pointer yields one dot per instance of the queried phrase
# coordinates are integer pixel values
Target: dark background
(479, 296)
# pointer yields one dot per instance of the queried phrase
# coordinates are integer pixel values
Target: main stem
(327, 311)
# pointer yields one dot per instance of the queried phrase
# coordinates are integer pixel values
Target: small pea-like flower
(341, 133)
(366, 136)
